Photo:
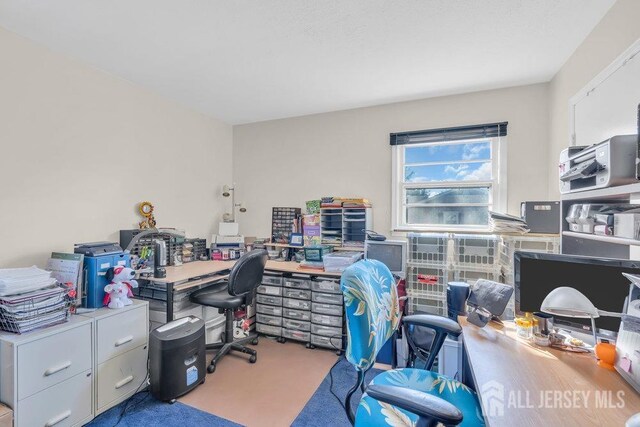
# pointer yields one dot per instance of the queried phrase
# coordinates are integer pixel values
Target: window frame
(498, 185)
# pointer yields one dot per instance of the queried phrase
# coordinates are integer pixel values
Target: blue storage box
(95, 276)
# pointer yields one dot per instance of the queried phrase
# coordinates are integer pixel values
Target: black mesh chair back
(246, 274)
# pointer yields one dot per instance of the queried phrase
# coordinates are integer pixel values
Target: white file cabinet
(46, 376)
(120, 348)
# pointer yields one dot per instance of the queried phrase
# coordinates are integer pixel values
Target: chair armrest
(437, 323)
(431, 409)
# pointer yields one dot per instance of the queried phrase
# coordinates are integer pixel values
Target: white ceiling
(245, 61)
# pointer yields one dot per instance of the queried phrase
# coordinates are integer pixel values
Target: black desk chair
(236, 292)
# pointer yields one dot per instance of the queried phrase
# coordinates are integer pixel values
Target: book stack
(30, 299)
(503, 223)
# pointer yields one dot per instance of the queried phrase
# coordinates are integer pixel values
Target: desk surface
(533, 384)
(204, 268)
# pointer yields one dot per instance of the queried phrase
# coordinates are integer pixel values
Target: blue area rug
(143, 410)
(323, 409)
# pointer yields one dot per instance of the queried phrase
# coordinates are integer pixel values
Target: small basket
(34, 310)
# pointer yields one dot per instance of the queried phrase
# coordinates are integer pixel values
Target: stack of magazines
(503, 223)
(30, 299)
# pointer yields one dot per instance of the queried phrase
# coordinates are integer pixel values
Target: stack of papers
(35, 309)
(20, 280)
(503, 223)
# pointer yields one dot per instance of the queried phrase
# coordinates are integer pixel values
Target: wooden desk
(199, 273)
(522, 377)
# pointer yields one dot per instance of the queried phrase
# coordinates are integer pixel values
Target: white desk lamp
(570, 302)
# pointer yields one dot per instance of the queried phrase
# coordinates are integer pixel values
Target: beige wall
(286, 162)
(81, 148)
(618, 30)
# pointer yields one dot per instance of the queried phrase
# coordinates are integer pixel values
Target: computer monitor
(392, 253)
(599, 279)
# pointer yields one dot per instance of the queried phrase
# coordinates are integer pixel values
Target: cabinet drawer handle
(59, 368)
(123, 341)
(63, 416)
(124, 382)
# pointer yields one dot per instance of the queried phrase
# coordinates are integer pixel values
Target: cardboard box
(6, 416)
(627, 224)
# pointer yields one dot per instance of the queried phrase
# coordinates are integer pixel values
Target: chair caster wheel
(254, 341)
(211, 368)
(253, 358)
(172, 401)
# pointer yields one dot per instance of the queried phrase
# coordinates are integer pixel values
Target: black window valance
(490, 130)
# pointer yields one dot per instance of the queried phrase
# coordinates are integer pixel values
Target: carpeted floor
(323, 409)
(143, 410)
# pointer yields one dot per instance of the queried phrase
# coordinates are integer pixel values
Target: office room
(311, 213)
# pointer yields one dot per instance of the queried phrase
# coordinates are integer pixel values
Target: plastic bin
(426, 303)
(338, 262)
(296, 314)
(428, 248)
(428, 279)
(510, 244)
(268, 299)
(296, 304)
(269, 320)
(475, 251)
(323, 319)
(471, 276)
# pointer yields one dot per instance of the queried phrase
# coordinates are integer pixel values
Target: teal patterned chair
(399, 397)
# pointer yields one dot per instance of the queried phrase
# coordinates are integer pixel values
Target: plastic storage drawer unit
(297, 293)
(269, 320)
(328, 342)
(297, 283)
(270, 290)
(275, 331)
(296, 324)
(296, 335)
(272, 279)
(297, 304)
(269, 310)
(330, 309)
(296, 314)
(327, 298)
(326, 331)
(327, 286)
(323, 319)
(268, 299)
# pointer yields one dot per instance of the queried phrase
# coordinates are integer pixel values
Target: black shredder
(177, 357)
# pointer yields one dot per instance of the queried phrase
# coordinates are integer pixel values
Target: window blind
(489, 130)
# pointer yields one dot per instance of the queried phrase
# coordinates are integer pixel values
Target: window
(448, 179)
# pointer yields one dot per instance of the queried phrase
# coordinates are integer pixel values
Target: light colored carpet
(269, 393)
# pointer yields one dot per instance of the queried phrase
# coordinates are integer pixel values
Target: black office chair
(244, 278)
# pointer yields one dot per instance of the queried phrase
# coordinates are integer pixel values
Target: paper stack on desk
(30, 299)
(503, 223)
(19, 280)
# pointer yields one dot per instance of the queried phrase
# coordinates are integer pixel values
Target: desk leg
(169, 302)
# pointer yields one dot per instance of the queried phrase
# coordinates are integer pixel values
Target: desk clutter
(435, 259)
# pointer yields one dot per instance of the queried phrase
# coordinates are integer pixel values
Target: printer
(607, 164)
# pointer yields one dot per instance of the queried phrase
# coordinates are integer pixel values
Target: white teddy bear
(119, 289)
